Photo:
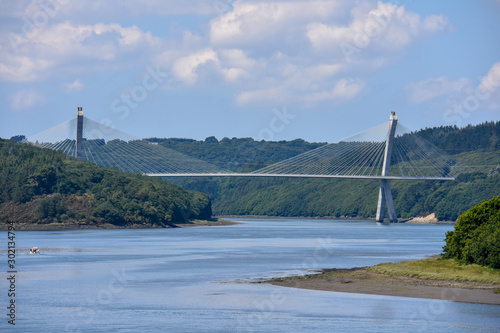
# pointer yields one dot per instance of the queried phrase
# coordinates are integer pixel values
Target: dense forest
(238, 154)
(475, 148)
(44, 186)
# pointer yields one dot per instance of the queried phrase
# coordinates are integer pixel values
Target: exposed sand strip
(358, 280)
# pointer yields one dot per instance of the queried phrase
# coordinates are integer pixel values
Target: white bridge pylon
(385, 194)
(385, 152)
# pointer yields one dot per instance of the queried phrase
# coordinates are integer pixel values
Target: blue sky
(273, 70)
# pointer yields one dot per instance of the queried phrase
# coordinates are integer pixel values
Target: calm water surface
(197, 280)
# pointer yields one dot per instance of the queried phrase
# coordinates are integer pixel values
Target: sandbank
(359, 280)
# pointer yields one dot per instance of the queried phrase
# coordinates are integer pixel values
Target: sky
(270, 70)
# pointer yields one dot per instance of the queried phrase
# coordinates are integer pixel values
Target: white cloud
(258, 21)
(460, 91)
(25, 98)
(74, 86)
(132, 36)
(307, 94)
(236, 58)
(185, 68)
(431, 88)
(32, 55)
(268, 50)
(89, 40)
(387, 25)
(491, 81)
(324, 70)
(343, 89)
(489, 87)
(236, 64)
(233, 74)
(280, 80)
(22, 68)
(347, 88)
(275, 95)
(435, 23)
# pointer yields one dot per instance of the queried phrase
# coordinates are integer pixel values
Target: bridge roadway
(291, 176)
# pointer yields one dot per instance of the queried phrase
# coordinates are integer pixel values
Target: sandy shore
(359, 280)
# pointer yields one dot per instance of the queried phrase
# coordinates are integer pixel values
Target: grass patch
(439, 269)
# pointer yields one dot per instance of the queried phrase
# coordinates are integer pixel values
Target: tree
(211, 139)
(18, 138)
(476, 238)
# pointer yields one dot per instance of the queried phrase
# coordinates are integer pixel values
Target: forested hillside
(44, 186)
(238, 154)
(475, 148)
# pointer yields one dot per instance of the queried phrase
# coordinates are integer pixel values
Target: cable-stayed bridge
(386, 152)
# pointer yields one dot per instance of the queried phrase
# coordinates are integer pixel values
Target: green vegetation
(439, 269)
(44, 186)
(476, 238)
(238, 154)
(476, 149)
(47, 186)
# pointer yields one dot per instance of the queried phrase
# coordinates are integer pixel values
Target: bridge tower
(384, 194)
(79, 132)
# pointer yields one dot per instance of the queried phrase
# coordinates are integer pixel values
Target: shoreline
(361, 281)
(206, 223)
(219, 220)
(109, 226)
(411, 220)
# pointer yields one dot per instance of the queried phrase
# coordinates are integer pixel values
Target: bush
(476, 238)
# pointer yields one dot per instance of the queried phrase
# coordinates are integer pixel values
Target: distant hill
(41, 186)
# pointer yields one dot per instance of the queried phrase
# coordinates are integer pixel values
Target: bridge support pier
(385, 194)
(385, 198)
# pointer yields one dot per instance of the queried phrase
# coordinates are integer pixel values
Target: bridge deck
(291, 176)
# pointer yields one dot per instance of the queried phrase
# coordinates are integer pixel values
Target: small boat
(34, 250)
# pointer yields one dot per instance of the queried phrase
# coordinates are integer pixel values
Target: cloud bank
(304, 52)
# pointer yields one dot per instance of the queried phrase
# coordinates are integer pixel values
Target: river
(198, 280)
